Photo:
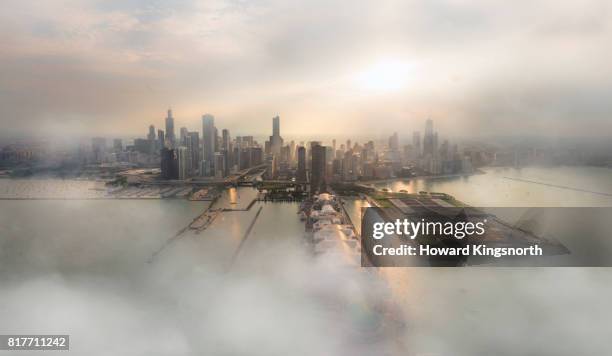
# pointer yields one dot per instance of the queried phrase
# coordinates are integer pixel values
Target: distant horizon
(404, 137)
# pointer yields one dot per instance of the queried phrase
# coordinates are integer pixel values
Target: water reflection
(474, 311)
(495, 189)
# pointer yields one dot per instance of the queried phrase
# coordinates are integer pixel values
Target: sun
(384, 76)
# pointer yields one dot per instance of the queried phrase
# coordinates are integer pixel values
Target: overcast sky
(326, 67)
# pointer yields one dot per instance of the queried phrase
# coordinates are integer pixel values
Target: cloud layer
(113, 67)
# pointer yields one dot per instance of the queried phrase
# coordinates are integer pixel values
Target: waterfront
(511, 311)
(500, 187)
(87, 259)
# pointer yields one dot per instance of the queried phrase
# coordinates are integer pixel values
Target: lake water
(530, 186)
(83, 267)
(510, 311)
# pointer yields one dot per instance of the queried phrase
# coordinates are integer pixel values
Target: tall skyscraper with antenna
(276, 141)
(209, 139)
(170, 138)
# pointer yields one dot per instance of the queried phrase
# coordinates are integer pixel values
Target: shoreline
(430, 177)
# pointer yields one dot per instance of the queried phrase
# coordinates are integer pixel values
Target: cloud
(115, 66)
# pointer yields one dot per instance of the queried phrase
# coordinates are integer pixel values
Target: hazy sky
(337, 67)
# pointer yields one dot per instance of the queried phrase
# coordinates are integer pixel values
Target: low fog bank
(92, 277)
(82, 268)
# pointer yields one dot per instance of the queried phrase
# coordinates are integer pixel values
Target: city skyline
(273, 177)
(306, 162)
(88, 67)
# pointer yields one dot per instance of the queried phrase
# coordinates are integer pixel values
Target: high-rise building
(285, 154)
(225, 140)
(276, 126)
(301, 168)
(219, 165)
(151, 139)
(394, 142)
(190, 153)
(276, 141)
(428, 139)
(183, 134)
(170, 129)
(244, 158)
(247, 141)
(184, 162)
(217, 141)
(329, 155)
(270, 166)
(194, 148)
(169, 163)
(317, 174)
(311, 146)
(267, 147)
(161, 139)
(226, 148)
(256, 156)
(208, 144)
(350, 166)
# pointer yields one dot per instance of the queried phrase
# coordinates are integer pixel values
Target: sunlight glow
(384, 75)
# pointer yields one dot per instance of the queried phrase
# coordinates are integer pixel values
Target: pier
(246, 236)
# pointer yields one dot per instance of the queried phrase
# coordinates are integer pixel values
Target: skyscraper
(183, 135)
(276, 126)
(301, 168)
(195, 151)
(429, 139)
(169, 163)
(170, 129)
(225, 140)
(151, 138)
(276, 141)
(208, 144)
(161, 139)
(394, 142)
(219, 165)
(317, 174)
(184, 163)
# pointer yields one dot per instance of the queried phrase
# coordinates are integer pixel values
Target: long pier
(168, 242)
(190, 226)
(246, 236)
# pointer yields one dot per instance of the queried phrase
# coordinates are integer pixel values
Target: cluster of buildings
(182, 154)
(352, 161)
(206, 155)
(213, 153)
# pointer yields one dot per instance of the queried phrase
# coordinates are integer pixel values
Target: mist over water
(81, 267)
(559, 186)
